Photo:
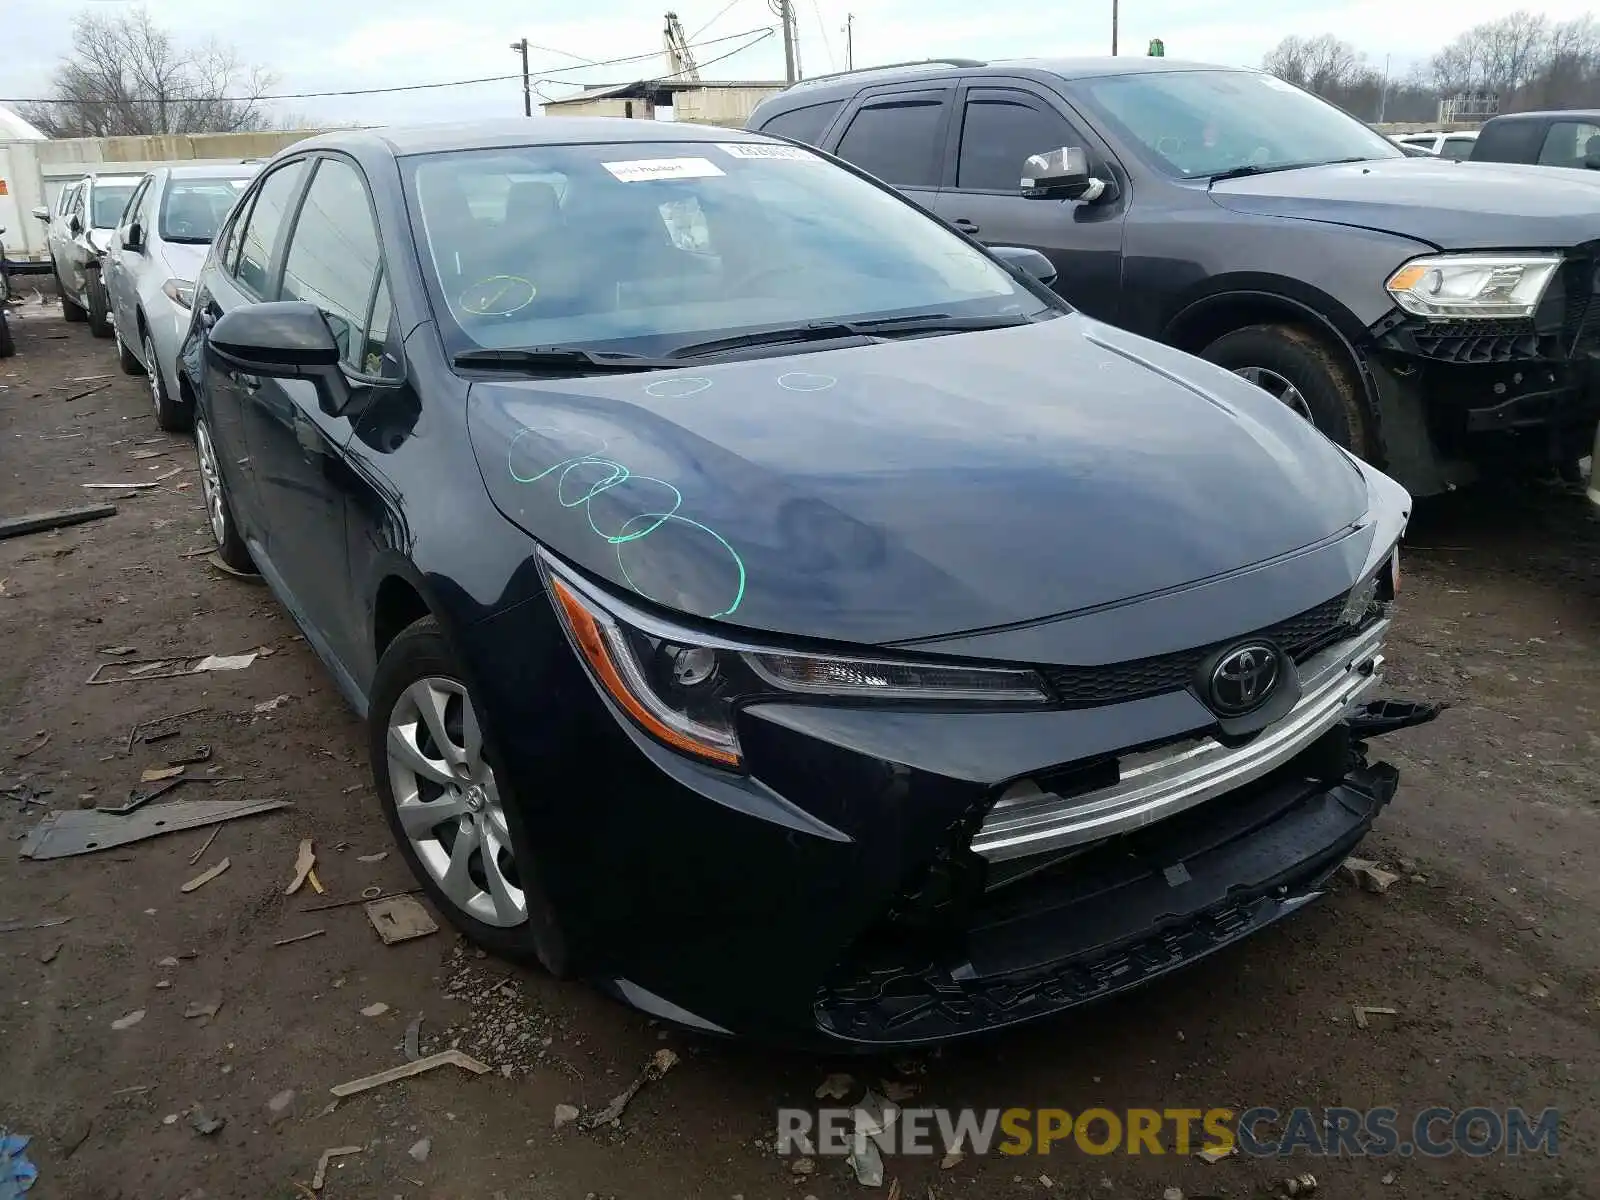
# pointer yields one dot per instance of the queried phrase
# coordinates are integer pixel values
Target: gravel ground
(1485, 948)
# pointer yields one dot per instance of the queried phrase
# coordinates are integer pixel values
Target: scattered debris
(1172, 1194)
(565, 1114)
(82, 831)
(17, 1174)
(206, 876)
(137, 799)
(443, 1058)
(1215, 1154)
(299, 937)
(272, 705)
(74, 1134)
(660, 1063)
(132, 670)
(56, 519)
(160, 723)
(206, 845)
(1388, 1178)
(413, 1043)
(835, 1087)
(1363, 1011)
(168, 961)
(1044, 1181)
(952, 1159)
(150, 483)
(129, 1021)
(278, 1106)
(44, 740)
(1300, 1185)
(79, 395)
(320, 1176)
(304, 861)
(420, 1149)
(897, 1092)
(49, 953)
(873, 1116)
(19, 926)
(373, 858)
(1369, 875)
(203, 1008)
(400, 918)
(190, 757)
(25, 794)
(375, 1010)
(866, 1161)
(156, 774)
(204, 1123)
(362, 899)
(803, 1166)
(225, 662)
(143, 455)
(214, 559)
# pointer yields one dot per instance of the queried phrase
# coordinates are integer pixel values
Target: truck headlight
(1468, 286)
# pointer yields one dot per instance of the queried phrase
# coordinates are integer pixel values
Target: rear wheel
(99, 314)
(230, 545)
(71, 310)
(1305, 373)
(449, 805)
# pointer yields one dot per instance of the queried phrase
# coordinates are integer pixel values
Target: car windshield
(191, 209)
(646, 247)
(107, 203)
(1194, 124)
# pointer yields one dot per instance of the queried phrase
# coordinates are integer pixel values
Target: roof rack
(920, 62)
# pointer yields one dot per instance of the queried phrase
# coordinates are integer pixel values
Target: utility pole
(1383, 96)
(784, 11)
(1113, 28)
(527, 89)
(849, 42)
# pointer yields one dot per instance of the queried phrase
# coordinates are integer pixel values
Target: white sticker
(636, 169)
(762, 150)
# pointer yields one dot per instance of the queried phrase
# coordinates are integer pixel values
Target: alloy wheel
(1276, 385)
(449, 804)
(153, 370)
(211, 484)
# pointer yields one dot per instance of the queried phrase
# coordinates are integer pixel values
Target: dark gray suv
(1433, 316)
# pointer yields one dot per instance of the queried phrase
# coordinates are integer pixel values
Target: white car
(1445, 145)
(79, 231)
(155, 253)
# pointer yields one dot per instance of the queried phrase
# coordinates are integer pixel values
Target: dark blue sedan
(771, 604)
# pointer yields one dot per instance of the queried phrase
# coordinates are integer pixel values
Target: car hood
(914, 488)
(1450, 205)
(183, 260)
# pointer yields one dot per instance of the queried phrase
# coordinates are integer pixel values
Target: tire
(99, 314)
(172, 414)
(125, 357)
(71, 310)
(1320, 386)
(417, 669)
(230, 545)
(8, 344)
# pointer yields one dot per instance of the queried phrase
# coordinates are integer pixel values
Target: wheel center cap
(476, 797)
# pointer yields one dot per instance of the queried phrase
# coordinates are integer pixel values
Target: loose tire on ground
(420, 657)
(1328, 385)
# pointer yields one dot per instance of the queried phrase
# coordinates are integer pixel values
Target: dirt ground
(1486, 948)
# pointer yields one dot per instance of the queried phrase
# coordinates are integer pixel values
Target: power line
(761, 36)
(722, 12)
(823, 29)
(409, 87)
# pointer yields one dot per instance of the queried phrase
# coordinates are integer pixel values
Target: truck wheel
(99, 313)
(1302, 371)
(71, 310)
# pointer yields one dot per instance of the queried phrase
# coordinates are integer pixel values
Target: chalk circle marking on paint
(677, 389)
(805, 381)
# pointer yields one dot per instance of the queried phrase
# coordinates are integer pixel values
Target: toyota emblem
(1243, 679)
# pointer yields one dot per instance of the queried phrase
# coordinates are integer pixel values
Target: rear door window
(898, 138)
(804, 124)
(1000, 128)
(1570, 144)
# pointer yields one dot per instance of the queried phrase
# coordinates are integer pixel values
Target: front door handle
(965, 225)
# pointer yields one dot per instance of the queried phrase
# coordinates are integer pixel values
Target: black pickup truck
(1438, 318)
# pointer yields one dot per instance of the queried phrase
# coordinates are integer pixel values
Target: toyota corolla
(771, 604)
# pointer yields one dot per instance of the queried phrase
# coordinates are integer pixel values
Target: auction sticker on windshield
(635, 169)
(754, 150)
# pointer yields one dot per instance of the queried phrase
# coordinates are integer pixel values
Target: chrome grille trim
(1155, 785)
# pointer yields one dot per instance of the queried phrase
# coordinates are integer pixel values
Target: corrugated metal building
(697, 101)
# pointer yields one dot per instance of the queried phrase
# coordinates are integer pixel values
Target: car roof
(1090, 67)
(213, 171)
(502, 134)
(1551, 114)
(114, 179)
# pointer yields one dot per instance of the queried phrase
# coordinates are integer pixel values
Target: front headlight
(682, 687)
(1463, 286)
(179, 291)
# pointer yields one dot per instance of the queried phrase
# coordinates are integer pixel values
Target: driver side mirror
(1062, 175)
(134, 238)
(75, 226)
(284, 339)
(41, 213)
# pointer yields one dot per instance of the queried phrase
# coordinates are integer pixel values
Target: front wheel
(171, 413)
(450, 807)
(230, 545)
(125, 357)
(1304, 373)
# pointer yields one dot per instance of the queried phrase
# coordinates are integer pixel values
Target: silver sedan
(150, 268)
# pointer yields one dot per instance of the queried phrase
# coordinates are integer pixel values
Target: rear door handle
(965, 225)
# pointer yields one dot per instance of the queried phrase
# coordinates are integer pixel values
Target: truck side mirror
(1062, 175)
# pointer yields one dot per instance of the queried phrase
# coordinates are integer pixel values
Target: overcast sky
(314, 45)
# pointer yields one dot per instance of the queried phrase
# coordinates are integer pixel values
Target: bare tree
(1328, 66)
(125, 75)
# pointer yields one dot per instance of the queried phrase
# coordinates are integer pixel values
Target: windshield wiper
(827, 331)
(576, 359)
(1273, 168)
